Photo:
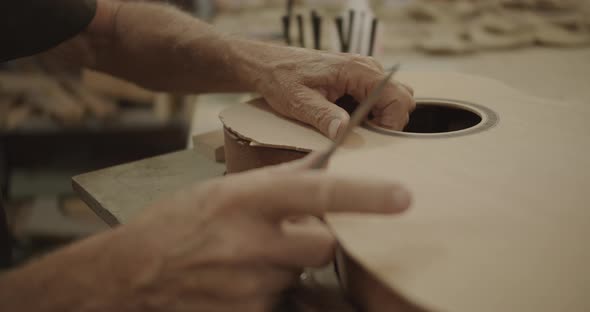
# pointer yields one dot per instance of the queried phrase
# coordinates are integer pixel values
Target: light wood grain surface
(485, 231)
(555, 73)
(500, 218)
(119, 193)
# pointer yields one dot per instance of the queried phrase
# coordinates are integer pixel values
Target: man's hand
(305, 84)
(178, 53)
(227, 245)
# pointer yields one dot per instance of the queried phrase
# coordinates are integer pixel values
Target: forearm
(164, 49)
(82, 277)
(161, 48)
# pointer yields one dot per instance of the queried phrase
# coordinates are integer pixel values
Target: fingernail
(333, 128)
(401, 199)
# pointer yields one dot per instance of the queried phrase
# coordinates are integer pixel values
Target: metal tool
(374, 24)
(351, 14)
(340, 27)
(316, 24)
(301, 28)
(356, 119)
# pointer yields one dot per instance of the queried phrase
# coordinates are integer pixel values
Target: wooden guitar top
(501, 213)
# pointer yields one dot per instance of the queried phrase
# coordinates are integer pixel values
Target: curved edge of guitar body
(500, 219)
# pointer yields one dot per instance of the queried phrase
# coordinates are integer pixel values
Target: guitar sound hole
(442, 118)
(436, 118)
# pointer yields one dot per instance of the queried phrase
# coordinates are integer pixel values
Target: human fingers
(302, 242)
(264, 303)
(394, 107)
(304, 163)
(312, 193)
(408, 87)
(237, 281)
(395, 102)
(311, 107)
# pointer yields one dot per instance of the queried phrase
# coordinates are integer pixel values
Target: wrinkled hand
(231, 245)
(304, 84)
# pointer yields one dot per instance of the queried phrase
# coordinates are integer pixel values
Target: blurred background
(57, 122)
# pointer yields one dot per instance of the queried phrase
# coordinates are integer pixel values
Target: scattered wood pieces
(446, 39)
(462, 26)
(114, 87)
(57, 103)
(500, 31)
(97, 104)
(563, 31)
(69, 101)
(16, 116)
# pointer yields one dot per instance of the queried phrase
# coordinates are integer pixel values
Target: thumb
(314, 109)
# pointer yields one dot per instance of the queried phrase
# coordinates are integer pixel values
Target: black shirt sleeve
(5, 240)
(29, 27)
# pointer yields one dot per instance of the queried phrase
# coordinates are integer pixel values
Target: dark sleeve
(29, 27)
(5, 240)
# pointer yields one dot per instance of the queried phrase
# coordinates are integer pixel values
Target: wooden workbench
(119, 193)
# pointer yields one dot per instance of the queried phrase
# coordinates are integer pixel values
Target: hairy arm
(95, 274)
(162, 48)
(227, 245)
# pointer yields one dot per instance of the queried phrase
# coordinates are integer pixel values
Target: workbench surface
(118, 193)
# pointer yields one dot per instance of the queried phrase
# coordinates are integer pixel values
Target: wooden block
(210, 144)
(74, 208)
(118, 194)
